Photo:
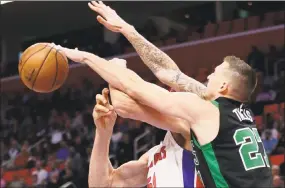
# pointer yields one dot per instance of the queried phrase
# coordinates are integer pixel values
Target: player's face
(216, 81)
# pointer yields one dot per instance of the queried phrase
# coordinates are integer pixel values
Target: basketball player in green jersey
(225, 141)
(228, 149)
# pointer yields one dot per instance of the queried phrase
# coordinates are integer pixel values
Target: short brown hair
(245, 73)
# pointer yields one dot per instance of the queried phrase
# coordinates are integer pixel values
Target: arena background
(53, 133)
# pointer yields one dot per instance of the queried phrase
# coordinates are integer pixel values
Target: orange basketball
(42, 68)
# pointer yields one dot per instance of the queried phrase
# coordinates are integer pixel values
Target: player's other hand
(103, 113)
(107, 16)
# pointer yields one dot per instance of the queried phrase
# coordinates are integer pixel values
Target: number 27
(251, 147)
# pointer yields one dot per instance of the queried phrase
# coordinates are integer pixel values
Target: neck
(213, 97)
(230, 97)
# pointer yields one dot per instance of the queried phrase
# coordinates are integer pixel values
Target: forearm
(117, 76)
(100, 168)
(164, 68)
(127, 107)
(152, 56)
(181, 82)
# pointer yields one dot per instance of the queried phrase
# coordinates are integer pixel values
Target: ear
(223, 89)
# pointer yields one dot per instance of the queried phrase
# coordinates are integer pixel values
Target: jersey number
(251, 158)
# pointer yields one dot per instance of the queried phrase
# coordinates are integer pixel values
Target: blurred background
(46, 139)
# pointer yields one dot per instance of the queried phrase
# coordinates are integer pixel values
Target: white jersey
(169, 165)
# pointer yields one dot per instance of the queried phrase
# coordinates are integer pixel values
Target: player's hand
(103, 113)
(72, 54)
(107, 16)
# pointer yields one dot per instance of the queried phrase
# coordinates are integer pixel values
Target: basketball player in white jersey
(164, 165)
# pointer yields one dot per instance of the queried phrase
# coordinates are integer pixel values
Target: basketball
(42, 68)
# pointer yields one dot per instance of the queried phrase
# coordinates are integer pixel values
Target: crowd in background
(63, 124)
(62, 127)
(178, 25)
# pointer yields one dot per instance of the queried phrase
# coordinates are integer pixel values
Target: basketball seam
(41, 67)
(62, 56)
(56, 70)
(30, 57)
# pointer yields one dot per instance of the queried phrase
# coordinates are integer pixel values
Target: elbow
(168, 76)
(123, 107)
(162, 76)
(121, 102)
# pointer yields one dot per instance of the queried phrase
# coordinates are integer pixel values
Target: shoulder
(207, 125)
(194, 104)
(193, 98)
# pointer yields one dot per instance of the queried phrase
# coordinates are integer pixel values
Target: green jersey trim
(212, 163)
(215, 103)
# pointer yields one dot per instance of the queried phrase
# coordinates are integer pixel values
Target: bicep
(131, 174)
(127, 107)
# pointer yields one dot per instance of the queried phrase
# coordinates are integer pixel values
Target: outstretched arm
(172, 104)
(162, 65)
(164, 68)
(127, 107)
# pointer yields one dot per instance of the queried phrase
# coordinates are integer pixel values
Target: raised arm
(172, 104)
(164, 68)
(101, 172)
(162, 65)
